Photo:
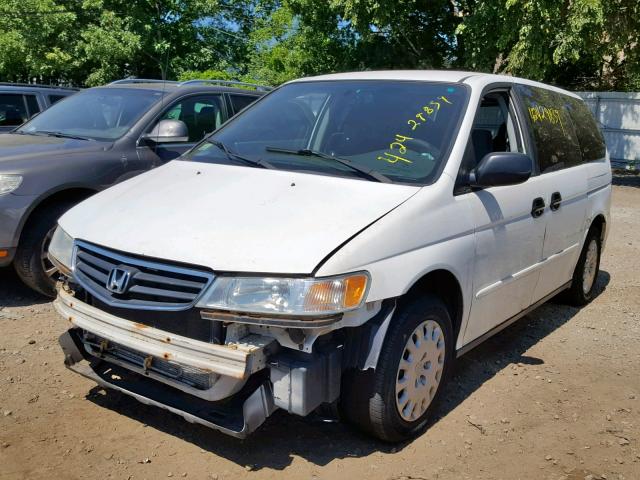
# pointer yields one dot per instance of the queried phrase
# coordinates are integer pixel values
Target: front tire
(31, 261)
(395, 401)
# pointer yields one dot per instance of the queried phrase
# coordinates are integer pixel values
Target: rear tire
(394, 401)
(585, 275)
(31, 263)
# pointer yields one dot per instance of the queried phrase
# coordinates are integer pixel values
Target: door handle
(537, 209)
(556, 201)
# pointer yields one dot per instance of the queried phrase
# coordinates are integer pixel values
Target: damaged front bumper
(183, 375)
(232, 387)
(240, 416)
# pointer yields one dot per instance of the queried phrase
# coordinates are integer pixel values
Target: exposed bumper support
(238, 417)
(238, 361)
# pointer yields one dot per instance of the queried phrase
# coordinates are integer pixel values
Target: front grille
(172, 371)
(151, 286)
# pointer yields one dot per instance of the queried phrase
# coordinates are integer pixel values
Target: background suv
(91, 141)
(19, 102)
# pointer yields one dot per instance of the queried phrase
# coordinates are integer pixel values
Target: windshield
(99, 113)
(402, 131)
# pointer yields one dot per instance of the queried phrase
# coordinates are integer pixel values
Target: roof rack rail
(231, 83)
(204, 81)
(37, 85)
(141, 80)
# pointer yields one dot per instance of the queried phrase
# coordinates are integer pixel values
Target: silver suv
(93, 140)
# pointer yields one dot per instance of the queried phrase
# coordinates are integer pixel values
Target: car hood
(18, 152)
(232, 218)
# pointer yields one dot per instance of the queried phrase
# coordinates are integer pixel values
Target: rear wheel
(31, 261)
(394, 401)
(583, 283)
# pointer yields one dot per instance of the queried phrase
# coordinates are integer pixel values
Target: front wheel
(394, 402)
(31, 261)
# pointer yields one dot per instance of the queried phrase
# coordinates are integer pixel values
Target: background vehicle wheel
(31, 261)
(394, 402)
(586, 272)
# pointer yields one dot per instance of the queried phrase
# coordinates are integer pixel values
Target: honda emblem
(119, 279)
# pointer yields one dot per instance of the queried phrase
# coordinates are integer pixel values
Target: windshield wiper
(60, 135)
(234, 156)
(305, 152)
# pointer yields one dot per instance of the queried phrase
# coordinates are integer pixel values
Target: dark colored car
(19, 102)
(93, 140)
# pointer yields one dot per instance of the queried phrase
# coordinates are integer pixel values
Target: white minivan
(340, 242)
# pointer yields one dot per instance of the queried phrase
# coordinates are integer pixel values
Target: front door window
(202, 115)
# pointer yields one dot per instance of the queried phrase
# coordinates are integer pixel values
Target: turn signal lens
(336, 294)
(354, 290)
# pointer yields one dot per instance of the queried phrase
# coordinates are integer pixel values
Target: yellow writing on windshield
(426, 113)
(540, 113)
(399, 143)
(432, 107)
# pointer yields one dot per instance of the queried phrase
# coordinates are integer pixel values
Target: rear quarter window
(55, 98)
(240, 102)
(554, 135)
(589, 136)
(32, 104)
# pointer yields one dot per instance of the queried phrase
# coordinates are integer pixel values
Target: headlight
(287, 296)
(61, 249)
(8, 183)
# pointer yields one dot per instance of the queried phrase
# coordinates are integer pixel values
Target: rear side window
(589, 136)
(13, 111)
(554, 136)
(55, 98)
(32, 104)
(241, 101)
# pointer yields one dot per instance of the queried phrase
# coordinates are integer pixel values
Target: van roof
(454, 76)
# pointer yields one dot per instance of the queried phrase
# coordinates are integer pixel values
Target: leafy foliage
(574, 43)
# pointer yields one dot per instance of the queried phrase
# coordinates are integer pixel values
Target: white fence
(618, 114)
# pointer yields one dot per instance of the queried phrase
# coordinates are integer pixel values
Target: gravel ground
(556, 396)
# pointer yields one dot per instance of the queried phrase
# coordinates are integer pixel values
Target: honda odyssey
(340, 242)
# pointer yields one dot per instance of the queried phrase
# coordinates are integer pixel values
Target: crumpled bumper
(185, 376)
(239, 416)
(231, 365)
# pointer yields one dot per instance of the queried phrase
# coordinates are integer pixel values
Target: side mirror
(501, 168)
(168, 131)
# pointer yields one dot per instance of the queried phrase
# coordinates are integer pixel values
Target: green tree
(306, 37)
(94, 41)
(32, 43)
(285, 45)
(574, 43)
(105, 48)
(402, 34)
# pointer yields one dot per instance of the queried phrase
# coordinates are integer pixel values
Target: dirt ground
(555, 396)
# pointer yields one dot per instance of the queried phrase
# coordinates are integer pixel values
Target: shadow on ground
(284, 436)
(14, 293)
